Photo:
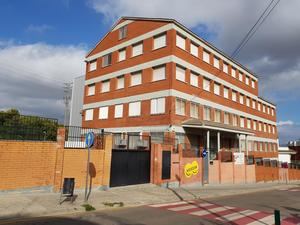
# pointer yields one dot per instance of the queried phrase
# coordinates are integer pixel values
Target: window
(240, 76)
(93, 65)
(216, 62)
(226, 118)
(264, 108)
(273, 129)
(234, 120)
(103, 112)
(260, 146)
(122, 32)
(217, 89)
(180, 107)
(225, 68)
(241, 99)
(247, 80)
(248, 102)
(88, 114)
(248, 123)
(265, 127)
(206, 56)
(269, 126)
(194, 110)
(252, 83)
(272, 112)
(122, 54)
(137, 49)
(266, 147)
(180, 73)
(233, 72)
(206, 84)
(119, 111)
(259, 126)
(255, 145)
(206, 115)
(106, 60)
(194, 79)
(226, 91)
(233, 96)
(160, 41)
(105, 87)
(136, 78)
(158, 105)
(253, 104)
(259, 106)
(194, 49)
(242, 122)
(91, 89)
(180, 41)
(268, 110)
(134, 109)
(218, 116)
(159, 73)
(254, 125)
(120, 82)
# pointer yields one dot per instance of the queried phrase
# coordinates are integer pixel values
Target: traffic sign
(204, 153)
(89, 139)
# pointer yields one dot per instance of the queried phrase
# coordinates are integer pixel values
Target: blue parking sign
(89, 139)
(204, 153)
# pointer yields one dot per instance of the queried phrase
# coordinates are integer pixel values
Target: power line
(255, 27)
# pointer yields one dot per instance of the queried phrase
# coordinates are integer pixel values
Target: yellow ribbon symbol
(191, 169)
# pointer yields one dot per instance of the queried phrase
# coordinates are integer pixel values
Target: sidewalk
(14, 205)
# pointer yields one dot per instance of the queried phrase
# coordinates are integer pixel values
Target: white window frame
(206, 56)
(216, 62)
(206, 84)
(137, 49)
(242, 122)
(194, 79)
(217, 89)
(247, 80)
(241, 99)
(248, 123)
(240, 76)
(134, 109)
(247, 101)
(136, 82)
(226, 92)
(103, 112)
(105, 86)
(180, 73)
(91, 90)
(158, 106)
(160, 41)
(120, 82)
(226, 118)
(123, 32)
(93, 66)
(180, 105)
(122, 54)
(234, 96)
(254, 124)
(180, 41)
(159, 73)
(194, 49)
(253, 104)
(233, 72)
(106, 60)
(225, 67)
(252, 83)
(206, 113)
(194, 110)
(217, 116)
(119, 111)
(89, 114)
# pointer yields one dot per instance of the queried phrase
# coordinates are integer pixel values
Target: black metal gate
(166, 165)
(130, 167)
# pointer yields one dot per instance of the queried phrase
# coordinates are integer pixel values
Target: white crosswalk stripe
(268, 220)
(237, 215)
(209, 211)
(186, 207)
(171, 204)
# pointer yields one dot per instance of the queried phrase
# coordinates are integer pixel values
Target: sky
(43, 44)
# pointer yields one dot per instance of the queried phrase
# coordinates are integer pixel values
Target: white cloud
(32, 76)
(39, 28)
(284, 123)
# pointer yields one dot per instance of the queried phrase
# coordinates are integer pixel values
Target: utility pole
(67, 99)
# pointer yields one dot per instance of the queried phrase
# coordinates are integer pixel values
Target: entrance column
(208, 145)
(219, 143)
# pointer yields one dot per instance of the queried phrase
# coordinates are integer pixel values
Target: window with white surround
(120, 82)
(103, 112)
(248, 123)
(194, 79)
(242, 122)
(217, 62)
(226, 92)
(160, 41)
(216, 89)
(194, 49)
(134, 109)
(122, 54)
(259, 106)
(206, 56)
(137, 49)
(194, 111)
(136, 79)
(241, 99)
(248, 102)
(233, 95)
(91, 89)
(254, 125)
(106, 61)
(206, 84)
(122, 32)
(252, 83)
(158, 105)
(253, 104)
(89, 114)
(206, 113)
(272, 112)
(234, 120)
(255, 145)
(233, 72)
(159, 73)
(93, 65)
(180, 41)
(218, 116)
(269, 126)
(268, 110)
(119, 111)
(264, 108)
(265, 127)
(259, 126)
(247, 80)
(105, 86)
(225, 68)
(180, 107)
(180, 73)
(240, 76)
(226, 118)
(273, 129)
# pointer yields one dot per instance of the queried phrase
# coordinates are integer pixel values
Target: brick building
(155, 76)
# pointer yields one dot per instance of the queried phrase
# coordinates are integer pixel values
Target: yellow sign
(191, 169)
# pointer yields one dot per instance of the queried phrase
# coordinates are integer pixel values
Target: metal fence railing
(131, 141)
(14, 126)
(75, 137)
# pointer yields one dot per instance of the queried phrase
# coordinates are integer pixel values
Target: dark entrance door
(130, 167)
(166, 165)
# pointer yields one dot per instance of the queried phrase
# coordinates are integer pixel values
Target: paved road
(255, 208)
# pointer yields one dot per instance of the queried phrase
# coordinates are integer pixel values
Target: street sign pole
(89, 141)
